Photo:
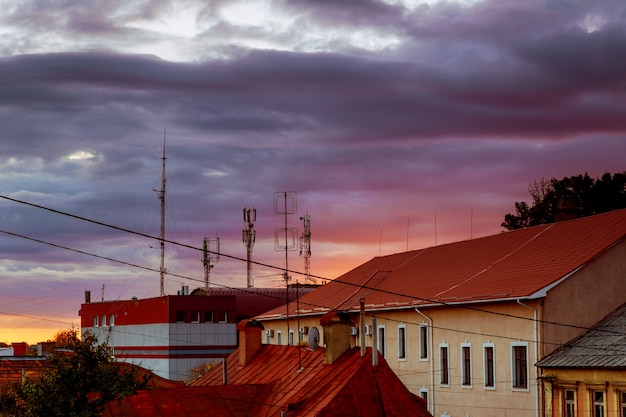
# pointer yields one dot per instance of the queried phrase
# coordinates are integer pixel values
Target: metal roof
(602, 346)
(515, 264)
(283, 378)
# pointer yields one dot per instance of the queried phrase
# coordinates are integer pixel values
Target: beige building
(464, 324)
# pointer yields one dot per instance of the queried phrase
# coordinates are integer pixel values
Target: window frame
(195, 316)
(382, 340)
(423, 342)
(424, 395)
(486, 368)
(466, 365)
(112, 320)
(209, 316)
(179, 314)
(514, 367)
(279, 337)
(290, 337)
(595, 404)
(222, 316)
(96, 321)
(569, 402)
(444, 368)
(402, 356)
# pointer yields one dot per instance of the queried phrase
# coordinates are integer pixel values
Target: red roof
(281, 378)
(509, 265)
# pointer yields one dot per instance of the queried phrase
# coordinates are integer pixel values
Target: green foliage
(572, 197)
(79, 383)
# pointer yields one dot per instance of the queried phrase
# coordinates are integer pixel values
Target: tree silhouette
(569, 198)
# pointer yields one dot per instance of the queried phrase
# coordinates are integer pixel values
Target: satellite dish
(314, 338)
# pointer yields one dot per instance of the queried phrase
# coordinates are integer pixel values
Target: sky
(395, 124)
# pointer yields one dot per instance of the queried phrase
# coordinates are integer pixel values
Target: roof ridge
(363, 290)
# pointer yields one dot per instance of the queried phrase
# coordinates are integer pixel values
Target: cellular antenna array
(248, 236)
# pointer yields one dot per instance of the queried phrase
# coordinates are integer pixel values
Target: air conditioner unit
(368, 330)
(304, 329)
(354, 331)
(269, 333)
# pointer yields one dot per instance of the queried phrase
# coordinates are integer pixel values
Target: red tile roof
(281, 378)
(509, 265)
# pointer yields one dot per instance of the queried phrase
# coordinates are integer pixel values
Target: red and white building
(172, 334)
(169, 335)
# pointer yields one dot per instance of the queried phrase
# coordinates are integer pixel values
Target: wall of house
(584, 383)
(498, 325)
(585, 298)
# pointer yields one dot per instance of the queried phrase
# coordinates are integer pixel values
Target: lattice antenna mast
(285, 203)
(248, 237)
(209, 256)
(305, 244)
(162, 232)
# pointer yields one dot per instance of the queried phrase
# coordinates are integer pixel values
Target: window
(623, 404)
(402, 342)
(112, 320)
(519, 365)
(381, 341)
(444, 364)
(290, 341)
(181, 316)
(95, 321)
(104, 319)
(423, 342)
(466, 365)
(424, 395)
(208, 317)
(598, 404)
(569, 403)
(489, 365)
(195, 317)
(279, 338)
(222, 317)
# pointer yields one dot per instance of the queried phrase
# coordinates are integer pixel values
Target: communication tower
(209, 256)
(305, 244)
(248, 236)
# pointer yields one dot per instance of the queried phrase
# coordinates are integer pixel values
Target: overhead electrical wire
(434, 302)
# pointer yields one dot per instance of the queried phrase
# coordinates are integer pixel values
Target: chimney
(336, 325)
(249, 340)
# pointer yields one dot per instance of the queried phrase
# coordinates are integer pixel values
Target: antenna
(162, 233)
(314, 338)
(305, 244)
(285, 203)
(209, 256)
(248, 236)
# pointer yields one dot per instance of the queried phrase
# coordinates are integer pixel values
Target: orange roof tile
(512, 264)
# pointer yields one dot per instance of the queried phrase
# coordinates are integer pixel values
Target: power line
(433, 302)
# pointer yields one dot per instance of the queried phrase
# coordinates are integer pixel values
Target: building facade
(464, 324)
(169, 335)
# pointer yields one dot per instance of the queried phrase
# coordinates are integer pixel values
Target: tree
(66, 338)
(78, 383)
(569, 198)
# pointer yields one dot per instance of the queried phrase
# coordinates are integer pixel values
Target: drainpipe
(534, 310)
(431, 394)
